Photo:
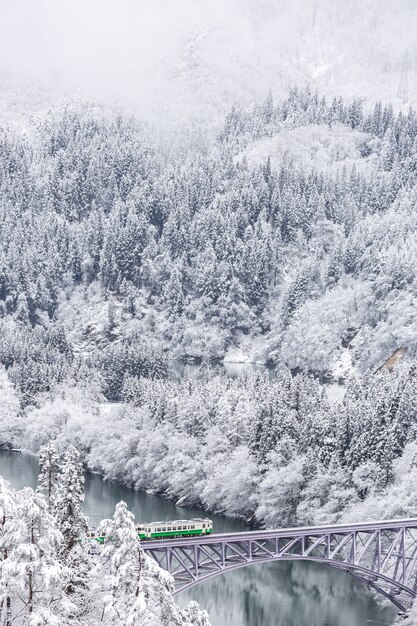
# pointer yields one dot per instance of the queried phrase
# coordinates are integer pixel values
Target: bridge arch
(382, 555)
(363, 575)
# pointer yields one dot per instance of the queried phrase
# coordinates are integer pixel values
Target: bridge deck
(382, 554)
(284, 532)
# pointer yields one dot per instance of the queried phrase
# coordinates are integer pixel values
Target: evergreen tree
(22, 309)
(174, 294)
(48, 478)
(32, 577)
(69, 498)
(126, 601)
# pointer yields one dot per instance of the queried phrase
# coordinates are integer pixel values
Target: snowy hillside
(293, 228)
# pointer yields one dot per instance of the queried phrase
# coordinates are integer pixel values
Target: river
(276, 594)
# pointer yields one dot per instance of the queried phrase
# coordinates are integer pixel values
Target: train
(176, 528)
(166, 530)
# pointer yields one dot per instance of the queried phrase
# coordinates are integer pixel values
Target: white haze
(177, 59)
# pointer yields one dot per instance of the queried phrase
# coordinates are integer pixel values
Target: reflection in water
(288, 594)
(335, 390)
(273, 594)
(233, 370)
(21, 470)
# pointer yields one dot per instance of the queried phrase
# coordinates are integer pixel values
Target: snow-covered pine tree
(49, 474)
(69, 498)
(7, 507)
(173, 294)
(136, 590)
(73, 525)
(193, 615)
(32, 576)
(125, 600)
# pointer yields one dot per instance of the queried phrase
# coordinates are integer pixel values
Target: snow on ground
(237, 355)
(335, 392)
(250, 350)
(315, 146)
(342, 369)
(343, 366)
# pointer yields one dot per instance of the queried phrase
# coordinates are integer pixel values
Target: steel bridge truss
(382, 555)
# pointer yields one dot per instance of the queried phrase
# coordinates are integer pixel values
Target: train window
(184, 527)
(169, 528)
(158, 530)
(192, 527)
(174, 528)
(204, 525)
(163, 530)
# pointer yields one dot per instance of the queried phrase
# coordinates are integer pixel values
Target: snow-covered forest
(184, 186)
(289, 238)
(211, 251)
(52, 575)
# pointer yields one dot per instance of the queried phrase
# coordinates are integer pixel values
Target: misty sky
(195, 58)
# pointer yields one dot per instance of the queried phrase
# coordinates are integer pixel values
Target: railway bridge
(381, 554)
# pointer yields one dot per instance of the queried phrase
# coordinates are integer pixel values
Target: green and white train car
(176, 528)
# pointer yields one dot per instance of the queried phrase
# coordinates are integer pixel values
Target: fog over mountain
(187, 59)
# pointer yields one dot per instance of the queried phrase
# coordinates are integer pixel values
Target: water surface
(275, 594)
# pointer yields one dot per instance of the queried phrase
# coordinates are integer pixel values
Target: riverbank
(272, 452)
